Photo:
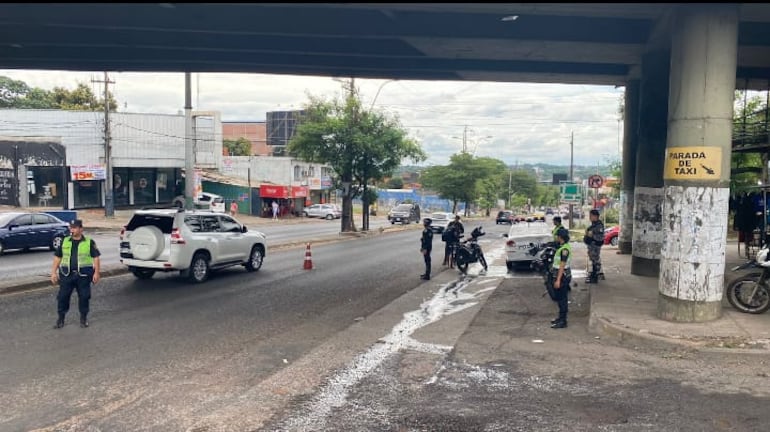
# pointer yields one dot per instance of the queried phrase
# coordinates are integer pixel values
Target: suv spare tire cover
(147, 242)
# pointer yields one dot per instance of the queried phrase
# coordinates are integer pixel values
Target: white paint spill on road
(451, 298)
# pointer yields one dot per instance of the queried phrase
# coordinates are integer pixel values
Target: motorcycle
(751, 293)
(469, 251)
(542, 264)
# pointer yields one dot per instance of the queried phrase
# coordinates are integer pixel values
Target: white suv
(194, 242)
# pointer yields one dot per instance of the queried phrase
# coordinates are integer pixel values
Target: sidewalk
(624, 307)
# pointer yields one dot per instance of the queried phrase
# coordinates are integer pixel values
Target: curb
(37, 282)
(629, 336)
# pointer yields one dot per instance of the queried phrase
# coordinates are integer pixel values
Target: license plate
(125, 250)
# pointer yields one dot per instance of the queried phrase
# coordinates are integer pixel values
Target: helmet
(563, 233)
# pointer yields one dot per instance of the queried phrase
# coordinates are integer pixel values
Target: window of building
(296, 171)
(87, 193)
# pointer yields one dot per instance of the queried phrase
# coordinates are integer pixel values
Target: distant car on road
(27, 230)
(611, 235)
(440, 221)
(205, 201)
(404, 213)
(326, 211)
(505, 217)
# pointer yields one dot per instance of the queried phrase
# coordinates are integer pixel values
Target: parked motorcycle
(542, 264)
(751, 293)
(469, 251)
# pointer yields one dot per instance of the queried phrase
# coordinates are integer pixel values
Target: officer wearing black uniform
(594, 239)
(453, 232)
(75, 265)
(426, 245)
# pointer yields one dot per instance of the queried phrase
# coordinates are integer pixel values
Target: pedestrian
(426, 245)
(454, 230)
(75, 265)
(275, 209)
(562, 277)
(233, 208)
(594, 239)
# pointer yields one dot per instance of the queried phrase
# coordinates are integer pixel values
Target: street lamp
(378, 92)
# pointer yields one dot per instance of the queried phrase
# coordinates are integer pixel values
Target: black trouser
(561, 295)
(426, 257)
(74, 282)
(448, 259)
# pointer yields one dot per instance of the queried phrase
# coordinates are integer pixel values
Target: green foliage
(465, 179)
(239, 147)
(748, 124)
(17, 94)
(523, 187)
(612, 217)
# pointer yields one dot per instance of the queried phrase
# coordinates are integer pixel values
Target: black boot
(601, 276)
(559, 324)
(59, 322)
(555, 320)
(83, 322)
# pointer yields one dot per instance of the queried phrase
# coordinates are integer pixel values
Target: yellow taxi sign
(693, 163)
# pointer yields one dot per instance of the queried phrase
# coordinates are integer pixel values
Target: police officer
(75, 265)
(556, 225)
(562, 276)
(426, 245)
(454, 230)
(594, 239)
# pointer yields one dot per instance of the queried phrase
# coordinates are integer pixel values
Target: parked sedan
(19, 230)
(520, 242)
(325, 211)
(440, 221)
(611, 235)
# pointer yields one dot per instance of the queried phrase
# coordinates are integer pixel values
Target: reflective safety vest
(557, 257)
(84, 253)
(554, 231)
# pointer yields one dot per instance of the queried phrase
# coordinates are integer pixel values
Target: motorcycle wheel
(739, 289)
(462, 262)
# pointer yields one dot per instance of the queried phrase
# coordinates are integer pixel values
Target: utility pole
(465, 138)
(189, 152)
(571, 173)
(508, 201)
(109, 205)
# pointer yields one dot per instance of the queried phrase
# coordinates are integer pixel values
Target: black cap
(557, 218)
(563, 233)
(427, 221)
(594, 212)
(76, 223)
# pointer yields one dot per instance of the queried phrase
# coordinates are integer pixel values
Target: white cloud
(528, 122)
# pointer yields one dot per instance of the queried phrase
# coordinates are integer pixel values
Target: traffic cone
(308, 260)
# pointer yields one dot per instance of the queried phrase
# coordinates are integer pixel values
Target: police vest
(557, 257)
(554, 231)
(84, 253)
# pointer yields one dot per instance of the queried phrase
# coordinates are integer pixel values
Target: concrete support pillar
(648, 191)
(697, 176)
(630, 147)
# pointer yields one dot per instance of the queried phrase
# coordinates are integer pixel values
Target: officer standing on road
(454, 230)
(75, 265)
(594, 239)
(426, 245)
(562, 277)
(556, 225)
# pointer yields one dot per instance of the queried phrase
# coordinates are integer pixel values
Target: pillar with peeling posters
(648, 192)
(628, 179)
(697, 174)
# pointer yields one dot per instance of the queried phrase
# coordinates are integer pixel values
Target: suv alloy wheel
(199, 268)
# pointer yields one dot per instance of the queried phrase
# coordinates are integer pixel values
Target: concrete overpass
(680, 64)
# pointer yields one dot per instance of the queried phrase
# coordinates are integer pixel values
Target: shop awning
(273, 191)
(299, 191)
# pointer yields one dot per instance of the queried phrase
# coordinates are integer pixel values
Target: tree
(17, 94)
(359, 145)
(239, 147)
(749, 118)
(465, 179)
(524, 186)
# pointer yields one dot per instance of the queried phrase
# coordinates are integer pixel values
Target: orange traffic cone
(308, 260)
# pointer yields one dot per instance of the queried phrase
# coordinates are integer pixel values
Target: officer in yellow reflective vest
(556, 225)
(561, 268)
(75, 266)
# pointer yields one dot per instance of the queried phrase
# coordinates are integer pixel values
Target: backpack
(448, 234)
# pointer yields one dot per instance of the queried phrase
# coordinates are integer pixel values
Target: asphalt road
(161, 353)
(37, 262)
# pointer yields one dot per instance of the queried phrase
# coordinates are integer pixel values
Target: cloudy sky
(514, 122)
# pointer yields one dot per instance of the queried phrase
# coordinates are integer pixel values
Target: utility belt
(82, 271)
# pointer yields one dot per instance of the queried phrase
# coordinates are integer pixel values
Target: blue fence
(387, 198)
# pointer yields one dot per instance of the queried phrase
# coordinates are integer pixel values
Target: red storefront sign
(299, 191)
(273, 191)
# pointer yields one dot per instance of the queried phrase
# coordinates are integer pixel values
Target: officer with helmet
(562, 277)
(426, 245)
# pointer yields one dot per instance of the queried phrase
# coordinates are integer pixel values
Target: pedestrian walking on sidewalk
(594, 239)
(426, 245)
(275, 209)
(233, 208)
(75, 266)
(562, 277)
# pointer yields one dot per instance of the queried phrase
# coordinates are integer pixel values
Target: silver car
(189, 241)
(326, 211)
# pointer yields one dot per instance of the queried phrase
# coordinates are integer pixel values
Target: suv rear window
(164, 223)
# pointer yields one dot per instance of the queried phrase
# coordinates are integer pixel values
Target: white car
(206, 200)
(521, 239)
(326, 211)
(440, 221)
(192, 242)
